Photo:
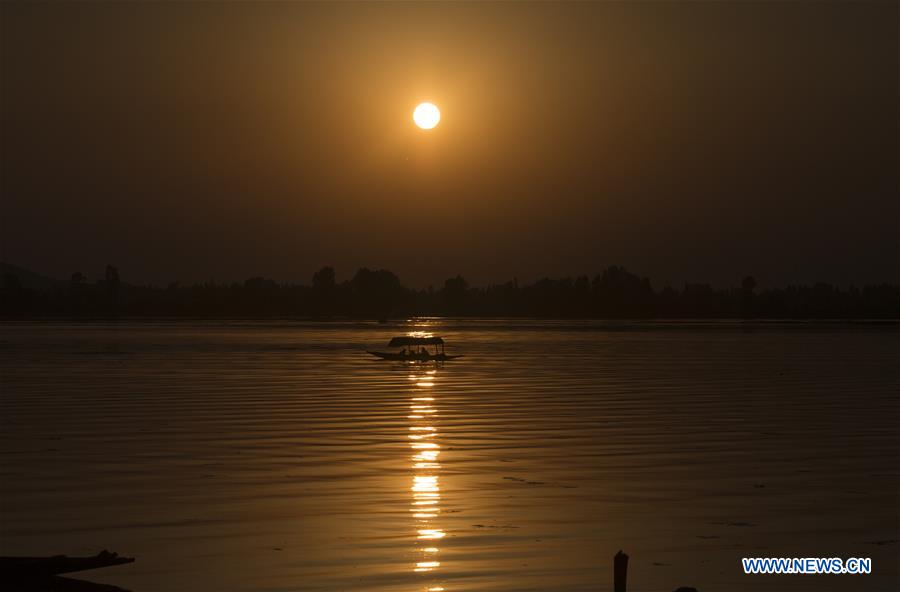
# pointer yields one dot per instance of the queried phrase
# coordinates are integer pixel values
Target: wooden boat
(42, 567)
(422, 354)
(413, 357)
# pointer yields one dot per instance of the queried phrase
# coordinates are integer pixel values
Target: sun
(426, 115)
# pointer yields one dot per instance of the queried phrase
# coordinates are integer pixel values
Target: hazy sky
(692, 142)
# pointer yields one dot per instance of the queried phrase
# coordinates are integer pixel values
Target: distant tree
(111, 278)
(324, 279)
(620, 293)
(456, 285)
(76, 292)
(375, 293)
(615, 292)
(323, 292)
(698, 301)
(259, 296)
(748, 297)
(582, 284)
(748, 285)
(11, 291)
(581, 301)
(666, 302)
(259, 284)
(454, 295)
(111, 281)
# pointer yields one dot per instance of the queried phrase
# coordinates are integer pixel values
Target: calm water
(279, 456)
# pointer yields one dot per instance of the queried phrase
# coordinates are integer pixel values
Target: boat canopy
(406, 341)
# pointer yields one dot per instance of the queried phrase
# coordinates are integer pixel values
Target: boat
(418, 350)
(44, 567)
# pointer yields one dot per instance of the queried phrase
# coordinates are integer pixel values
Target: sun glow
(426, 115)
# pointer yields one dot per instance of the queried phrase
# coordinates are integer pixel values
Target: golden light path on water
(426, 492)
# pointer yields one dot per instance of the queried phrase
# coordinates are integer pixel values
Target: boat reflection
(425, 463)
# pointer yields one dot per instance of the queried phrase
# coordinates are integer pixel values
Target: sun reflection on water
(426, 491)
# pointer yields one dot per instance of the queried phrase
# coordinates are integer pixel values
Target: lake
(269, 456)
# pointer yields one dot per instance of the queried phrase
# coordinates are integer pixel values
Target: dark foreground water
(279, 456)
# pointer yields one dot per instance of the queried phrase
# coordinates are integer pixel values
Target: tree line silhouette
(378, 294)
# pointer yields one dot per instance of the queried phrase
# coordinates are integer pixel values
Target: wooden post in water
(620, 572)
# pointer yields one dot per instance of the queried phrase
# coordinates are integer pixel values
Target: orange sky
(223, 140)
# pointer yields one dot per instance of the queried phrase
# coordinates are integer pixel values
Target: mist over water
(271, 456)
